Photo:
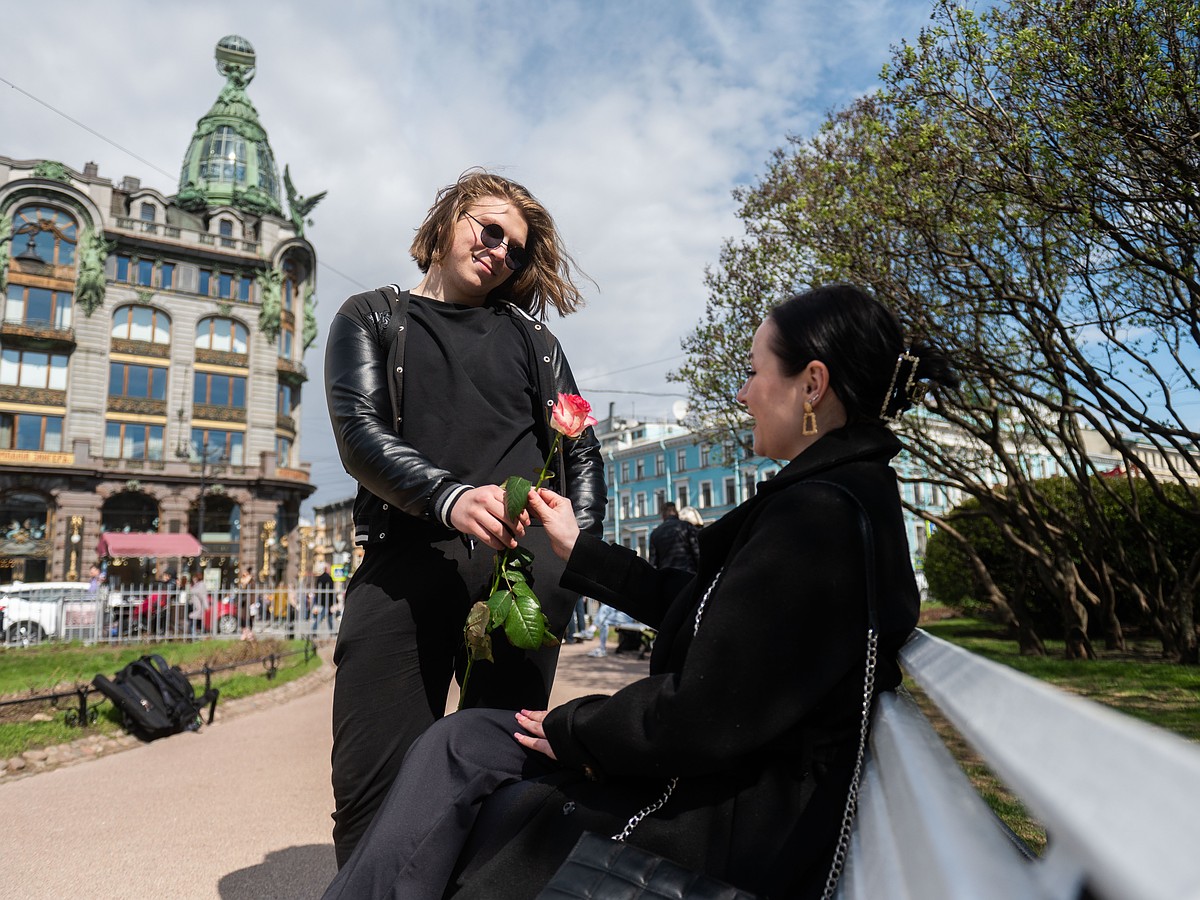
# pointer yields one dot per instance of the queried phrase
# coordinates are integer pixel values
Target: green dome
(230, 161)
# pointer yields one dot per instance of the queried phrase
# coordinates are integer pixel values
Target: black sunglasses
(492, 236)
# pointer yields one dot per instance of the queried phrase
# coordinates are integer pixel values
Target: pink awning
(117, 543)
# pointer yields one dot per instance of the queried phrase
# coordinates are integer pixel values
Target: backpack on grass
(155, 698)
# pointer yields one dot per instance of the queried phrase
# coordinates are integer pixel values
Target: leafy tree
(1023, 192)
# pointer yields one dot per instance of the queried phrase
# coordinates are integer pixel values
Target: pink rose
(571, 414)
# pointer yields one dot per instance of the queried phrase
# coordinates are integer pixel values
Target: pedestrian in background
(673, 543)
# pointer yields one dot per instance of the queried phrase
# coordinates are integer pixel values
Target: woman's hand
(558, 516)
(531, 721)
(479, 513)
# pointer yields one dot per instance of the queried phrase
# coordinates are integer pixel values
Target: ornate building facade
(151, 354)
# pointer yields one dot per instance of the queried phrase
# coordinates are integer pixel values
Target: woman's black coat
(757, 713)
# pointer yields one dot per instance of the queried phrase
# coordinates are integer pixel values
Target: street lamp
(185, 449)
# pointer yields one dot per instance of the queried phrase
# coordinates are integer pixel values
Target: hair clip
(907, 387)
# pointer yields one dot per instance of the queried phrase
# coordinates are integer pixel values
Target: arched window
(129, 511)
(219, 333)
(52, 233)
(141, 323)
(148, 212)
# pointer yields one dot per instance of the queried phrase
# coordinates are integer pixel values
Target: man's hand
(479, 513)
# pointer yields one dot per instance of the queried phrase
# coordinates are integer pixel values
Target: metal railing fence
(155, 613)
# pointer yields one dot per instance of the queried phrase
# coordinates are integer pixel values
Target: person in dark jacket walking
(435, 400)
(324, 596)
(673, 543)
(761, 734)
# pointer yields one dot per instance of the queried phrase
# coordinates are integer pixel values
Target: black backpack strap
(395, 301)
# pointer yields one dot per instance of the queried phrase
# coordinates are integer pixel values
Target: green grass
(1136, 682)
(39, 670)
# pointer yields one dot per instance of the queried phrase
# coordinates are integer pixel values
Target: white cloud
(632, 121)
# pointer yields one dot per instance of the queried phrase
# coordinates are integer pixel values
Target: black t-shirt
(469, 401)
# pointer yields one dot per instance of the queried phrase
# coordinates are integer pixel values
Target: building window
(219, 390)
(706, 494)
(37, 306)
(223, 156)
(54, 234)
(204, 284)
(218, 333)
(681, 494)
(639, 469)
(660, 498)
(141, 323)
(225, 285)
(29, 432)
(285, 397)
(704, 448)
(749, 485)
(624, 471)
(624, 506)
(660, 464)
(642, 550)
(283, 451)
(245, 288)
(131, 440)
(122, 268)
(223, 446)
(166, 273)
(145, 272)
(293, 275)
(730, 491)
(148, 212)
(639, 504)
(130, 380)
(917, 493)
(681, 460)
(286, 342)
(30, 368)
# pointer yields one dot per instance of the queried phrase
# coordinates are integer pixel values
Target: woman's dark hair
(873, 371)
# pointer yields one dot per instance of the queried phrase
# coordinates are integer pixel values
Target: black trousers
(400, 641)
(410, 850)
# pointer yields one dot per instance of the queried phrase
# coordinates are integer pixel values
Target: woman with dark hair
(436, 396)
(752, 738)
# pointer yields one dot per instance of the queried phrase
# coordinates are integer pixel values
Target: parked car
(31, 613)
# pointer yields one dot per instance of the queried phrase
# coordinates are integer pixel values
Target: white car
(31, 613)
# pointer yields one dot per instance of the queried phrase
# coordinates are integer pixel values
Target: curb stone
(93, 746)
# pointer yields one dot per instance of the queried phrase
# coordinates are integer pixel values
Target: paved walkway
(238, 811)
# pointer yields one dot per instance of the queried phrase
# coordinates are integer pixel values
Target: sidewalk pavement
(237, 811)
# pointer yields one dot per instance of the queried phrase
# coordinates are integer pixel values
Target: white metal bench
(1119, 799)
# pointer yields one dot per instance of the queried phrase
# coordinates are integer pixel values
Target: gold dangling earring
(809, 426)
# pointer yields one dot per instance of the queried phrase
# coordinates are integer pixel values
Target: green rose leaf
(499, 604)
(525, 625)
(516, 496)
(518, 558)
(549, 640)
(522, 590)
(479, 642)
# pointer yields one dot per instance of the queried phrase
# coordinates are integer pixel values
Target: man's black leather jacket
(399, 487)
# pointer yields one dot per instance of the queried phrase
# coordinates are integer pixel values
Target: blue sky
(632, 120)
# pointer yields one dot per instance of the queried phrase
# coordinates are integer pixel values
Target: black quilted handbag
(600, 868)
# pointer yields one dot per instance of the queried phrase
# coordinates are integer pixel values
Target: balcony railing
(38, 335)
(184, 235)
